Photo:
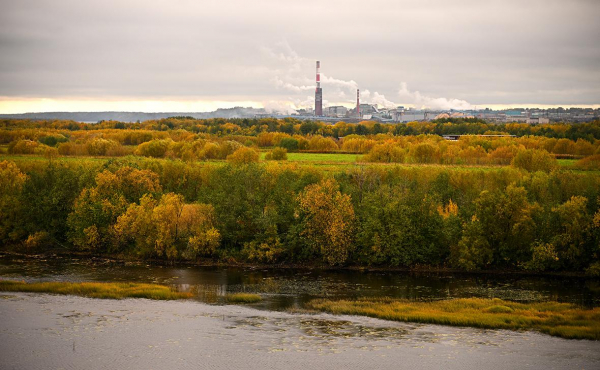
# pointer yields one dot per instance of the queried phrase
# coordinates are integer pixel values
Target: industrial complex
(363, 111)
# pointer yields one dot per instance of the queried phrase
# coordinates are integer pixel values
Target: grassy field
(557, 319)
(566, 163)
(96, 290)
(327, 162)
(319, 157)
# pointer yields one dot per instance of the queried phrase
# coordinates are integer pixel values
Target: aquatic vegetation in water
(243, 298)
(554, 318)
(97, 290)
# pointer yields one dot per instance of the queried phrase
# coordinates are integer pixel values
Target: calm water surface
(290, 288)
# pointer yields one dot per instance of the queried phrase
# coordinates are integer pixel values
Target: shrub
(263, 252)
(243, 155)
(322, 144)
(154, 148)
(210, 151)
(228, 147)
(589, 163)
(100, 146)
(423, 153)
(277, 154)
(388, 152)
(534, 160)
(53, 140)
(37, 241)
(289, 143)
(23, 147)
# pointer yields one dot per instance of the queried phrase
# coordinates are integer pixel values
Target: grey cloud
(509, 51)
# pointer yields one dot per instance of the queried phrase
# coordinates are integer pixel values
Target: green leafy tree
(500, 232)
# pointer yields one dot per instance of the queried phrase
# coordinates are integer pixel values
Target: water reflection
(288, 288)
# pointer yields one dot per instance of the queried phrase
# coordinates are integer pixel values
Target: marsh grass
(243, 298)
(96, 290)
(557, 319)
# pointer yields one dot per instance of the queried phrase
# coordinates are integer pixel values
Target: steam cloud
(290, 74)
(426, 102)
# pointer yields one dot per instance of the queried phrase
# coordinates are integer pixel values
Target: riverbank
(129, 260)
(97, 290)
(41, 331)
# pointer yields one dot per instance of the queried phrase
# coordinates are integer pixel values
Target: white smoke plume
(376, 98)
(420, 101)
(291, 72)
(280, 107)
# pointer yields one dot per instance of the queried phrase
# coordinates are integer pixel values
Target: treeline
(252, 127)
(504, 218)
(384, 148)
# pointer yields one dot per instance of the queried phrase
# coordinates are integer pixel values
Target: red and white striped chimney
(318, 74)
(318, 93)
(358, 103)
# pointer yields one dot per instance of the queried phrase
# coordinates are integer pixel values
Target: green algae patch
(243, 298)
(558, 319)
(97, 290)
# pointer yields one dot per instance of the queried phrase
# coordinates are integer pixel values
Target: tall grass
(97, 290)
(557, 319)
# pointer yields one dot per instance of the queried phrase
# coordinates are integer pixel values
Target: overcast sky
(197, 55)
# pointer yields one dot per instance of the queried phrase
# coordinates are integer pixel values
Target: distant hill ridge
(237, 112)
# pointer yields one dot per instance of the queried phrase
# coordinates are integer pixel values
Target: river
(41, 331)
(290, 288)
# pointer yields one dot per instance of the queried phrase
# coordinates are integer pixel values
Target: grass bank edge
(97, 289)
(557, 319)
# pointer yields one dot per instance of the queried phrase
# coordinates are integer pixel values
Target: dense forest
(197, 190)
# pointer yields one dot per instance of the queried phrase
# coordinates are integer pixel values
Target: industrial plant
(363, 111)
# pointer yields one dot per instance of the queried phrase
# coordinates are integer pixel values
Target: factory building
(337, 111)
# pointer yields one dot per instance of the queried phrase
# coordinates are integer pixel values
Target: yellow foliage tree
(329, 220)
(168, 227)
(11, 185)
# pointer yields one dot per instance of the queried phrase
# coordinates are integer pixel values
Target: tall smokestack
(358, 103)
(318, 93)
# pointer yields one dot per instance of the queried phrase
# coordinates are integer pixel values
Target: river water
(42, 331)
(290, 288)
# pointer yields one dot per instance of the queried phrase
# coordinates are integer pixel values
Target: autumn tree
(97, 208)
(534, 160)
(386, 152)
(154, 148)
(168, 227)
(11, 185)
(328, 220)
